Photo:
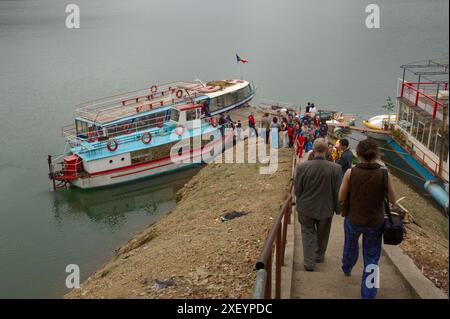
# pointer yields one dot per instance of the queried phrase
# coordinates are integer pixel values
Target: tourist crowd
(328, 183)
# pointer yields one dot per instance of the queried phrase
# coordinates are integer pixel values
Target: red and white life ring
(179, 130)
(213, 121)
(127, 129)
(179, 94)
(146, 138)
(114, 145)
(153, 89)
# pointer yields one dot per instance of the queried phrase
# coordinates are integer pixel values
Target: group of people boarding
(293, 130)
(328, 183)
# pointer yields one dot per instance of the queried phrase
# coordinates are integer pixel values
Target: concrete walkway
(328, 280)
(399, 276)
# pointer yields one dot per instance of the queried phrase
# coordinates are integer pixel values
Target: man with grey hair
(316, 185)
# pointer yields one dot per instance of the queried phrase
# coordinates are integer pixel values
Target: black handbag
(394, 229)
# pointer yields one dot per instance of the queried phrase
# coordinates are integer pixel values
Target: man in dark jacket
(346, 159)
(316, 185)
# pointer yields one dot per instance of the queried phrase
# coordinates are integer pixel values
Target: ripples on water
(299, 51)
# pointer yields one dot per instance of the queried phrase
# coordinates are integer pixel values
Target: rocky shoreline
(191, 253)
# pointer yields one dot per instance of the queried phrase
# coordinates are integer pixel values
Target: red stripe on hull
(125, 168)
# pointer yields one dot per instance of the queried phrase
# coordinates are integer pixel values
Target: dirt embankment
(205, 258)
(427, 238)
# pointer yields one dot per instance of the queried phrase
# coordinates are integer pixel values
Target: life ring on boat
(112, 145)
(179, 130)
(209, 89)
(146, 138)
(153, 89)
(213, 121)
(179, 94)
(127, 129)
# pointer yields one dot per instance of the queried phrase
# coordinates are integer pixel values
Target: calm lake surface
(299, 51)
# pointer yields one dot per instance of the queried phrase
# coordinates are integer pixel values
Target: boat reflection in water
(154, 196)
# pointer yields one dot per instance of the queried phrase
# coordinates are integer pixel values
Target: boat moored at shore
(420, 132)
(134, 135)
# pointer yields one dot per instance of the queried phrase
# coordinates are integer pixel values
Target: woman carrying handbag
(362, 198)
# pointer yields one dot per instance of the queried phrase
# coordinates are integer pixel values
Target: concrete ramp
(328, 280)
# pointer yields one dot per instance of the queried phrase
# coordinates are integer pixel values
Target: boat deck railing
(126, 104)
(421, 154)
(424, 95)
(71, 134)
(98, 140)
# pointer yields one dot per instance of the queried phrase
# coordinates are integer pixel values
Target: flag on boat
(240, 60)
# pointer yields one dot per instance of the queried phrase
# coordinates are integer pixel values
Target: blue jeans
(372, 240)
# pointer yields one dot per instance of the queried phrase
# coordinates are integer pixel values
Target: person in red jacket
(301, 140)
(251, 125)
(291, 135)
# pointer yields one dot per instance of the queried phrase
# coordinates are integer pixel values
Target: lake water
(299, 51)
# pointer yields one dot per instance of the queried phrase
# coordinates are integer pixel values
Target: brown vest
(366, 195)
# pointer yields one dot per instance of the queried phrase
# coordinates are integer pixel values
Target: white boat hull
(128, 175)
(153, 168)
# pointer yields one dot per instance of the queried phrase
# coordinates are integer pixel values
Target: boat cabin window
(191, 114)
(217, 103)
(152, 153)
(174, 115)
(82, 128)
(229, 99)
(141, 123)
(151, 120)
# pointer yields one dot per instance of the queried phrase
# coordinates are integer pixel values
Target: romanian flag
(240, 60)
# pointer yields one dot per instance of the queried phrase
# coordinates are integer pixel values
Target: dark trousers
(315, 234)
(252, 127)
(267, 135)
(291, 141)
(372, 240)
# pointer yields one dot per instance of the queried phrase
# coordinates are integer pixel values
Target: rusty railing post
(268, 292)
(278, 252)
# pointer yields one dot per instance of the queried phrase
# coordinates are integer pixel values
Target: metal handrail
(276, 237)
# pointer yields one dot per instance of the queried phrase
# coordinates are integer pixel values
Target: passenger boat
(420, 133)
(131, 136)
